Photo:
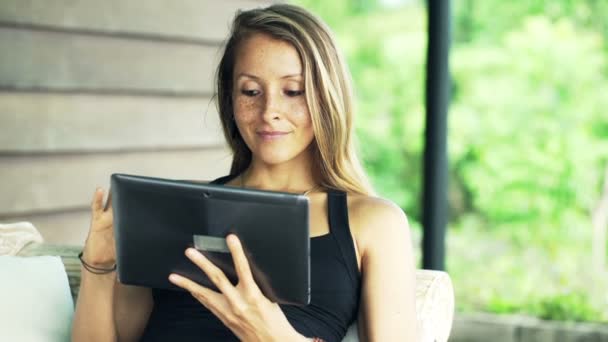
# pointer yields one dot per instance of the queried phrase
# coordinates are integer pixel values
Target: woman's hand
(99, 250)
(242, 308)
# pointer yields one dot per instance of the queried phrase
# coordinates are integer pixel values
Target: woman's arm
(132, 308)
(105, 309)
(387, 308)
(109, 311)
(94, 318)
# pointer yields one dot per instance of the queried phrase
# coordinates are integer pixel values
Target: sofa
(434, 291)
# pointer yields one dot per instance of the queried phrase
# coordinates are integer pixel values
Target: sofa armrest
(434, 307)
(434, 304)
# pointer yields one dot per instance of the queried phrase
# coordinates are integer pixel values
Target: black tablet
(156, 219)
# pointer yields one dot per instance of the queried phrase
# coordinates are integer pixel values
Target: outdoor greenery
(528, 140)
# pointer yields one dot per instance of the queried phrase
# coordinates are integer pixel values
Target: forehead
(263, 55)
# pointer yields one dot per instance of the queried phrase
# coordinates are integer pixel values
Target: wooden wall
(89, 88)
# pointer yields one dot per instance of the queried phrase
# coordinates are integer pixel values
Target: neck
(294, 176)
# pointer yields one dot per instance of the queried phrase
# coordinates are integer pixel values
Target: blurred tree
(523, 119)
(528, 132)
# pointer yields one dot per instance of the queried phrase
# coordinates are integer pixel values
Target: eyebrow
(243, 74)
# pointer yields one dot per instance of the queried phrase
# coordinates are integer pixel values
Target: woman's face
(269, 102)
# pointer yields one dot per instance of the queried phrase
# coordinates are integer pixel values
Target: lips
(271, 135)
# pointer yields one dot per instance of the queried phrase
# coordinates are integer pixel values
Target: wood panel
(206, 20)
(60, 227)
(37, 122)
(88, 88)
(62, 61)
(66, 182)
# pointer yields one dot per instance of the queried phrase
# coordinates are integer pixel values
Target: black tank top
(335, 290)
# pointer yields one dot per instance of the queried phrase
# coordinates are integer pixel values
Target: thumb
(109, 201)
(97, 201)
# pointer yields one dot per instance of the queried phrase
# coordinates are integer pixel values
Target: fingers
(214, 273)
(209, 298)
(192, 286)
(203, 294)
(241, 264)
(109, 201)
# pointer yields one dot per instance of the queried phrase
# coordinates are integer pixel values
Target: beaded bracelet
(93, 269)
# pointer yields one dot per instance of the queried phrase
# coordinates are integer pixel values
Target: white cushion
(35, 300)
(14, 236)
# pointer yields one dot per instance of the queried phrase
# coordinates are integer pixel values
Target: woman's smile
(272, 135)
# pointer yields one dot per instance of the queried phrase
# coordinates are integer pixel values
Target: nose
(272, 106)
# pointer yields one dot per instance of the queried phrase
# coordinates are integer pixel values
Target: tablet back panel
(155, 220)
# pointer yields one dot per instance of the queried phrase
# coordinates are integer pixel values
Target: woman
(285, 103)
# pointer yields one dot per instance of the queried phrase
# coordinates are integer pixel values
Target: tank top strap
(340, 230)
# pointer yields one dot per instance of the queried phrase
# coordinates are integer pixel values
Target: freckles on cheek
(246, 107)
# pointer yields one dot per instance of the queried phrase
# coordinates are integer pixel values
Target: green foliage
(573, 306)
(483, 20)
(522, 126)
(568, 307)
(528, 138)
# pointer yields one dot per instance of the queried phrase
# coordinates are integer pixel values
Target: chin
(275, 156)
(274, 159)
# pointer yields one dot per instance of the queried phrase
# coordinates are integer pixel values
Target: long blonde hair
(330, 103)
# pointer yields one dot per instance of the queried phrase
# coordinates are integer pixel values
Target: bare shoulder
(374, 220)
(362, 207)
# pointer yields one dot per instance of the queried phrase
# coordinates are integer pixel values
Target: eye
(293, 93)
(250, 93)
